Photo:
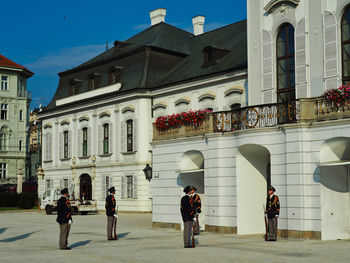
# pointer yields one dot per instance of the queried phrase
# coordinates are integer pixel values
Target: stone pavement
(33, 237)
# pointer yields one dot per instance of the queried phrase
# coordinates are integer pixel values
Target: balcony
(261, 116)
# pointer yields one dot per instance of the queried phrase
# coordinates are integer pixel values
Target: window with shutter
(345, 46)
(129, 186)
(285, 54)
(129, 135)
(89, 142)
(135, 186)
(80, 142)
(106, 129)
(84, 145)
(122, 187)
(100, 139)
(69, 144)
(134, 135)
(330, 50)
(267, 65)
(110, 137)
(61, 143)
(103, 187)
(123, 136)
(300, 60)
(49, 146)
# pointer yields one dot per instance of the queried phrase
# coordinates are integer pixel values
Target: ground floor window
(129, 187)
(2, 170)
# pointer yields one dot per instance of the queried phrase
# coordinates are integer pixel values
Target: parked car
(7, 187)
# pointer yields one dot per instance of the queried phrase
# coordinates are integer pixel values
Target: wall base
(296, 234)
(221, 229)
(166, 225)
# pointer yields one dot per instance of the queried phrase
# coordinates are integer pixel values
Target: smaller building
(14, 117)
(35, 139)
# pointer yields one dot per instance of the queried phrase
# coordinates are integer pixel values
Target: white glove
(70, 222)
(194, 219)
(115, 215)
(276, 216)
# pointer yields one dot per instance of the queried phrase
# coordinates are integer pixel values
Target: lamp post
(148, 172)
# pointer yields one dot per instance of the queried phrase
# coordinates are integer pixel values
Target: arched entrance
(253, 178)
(85, 187)
(192, 173)
(335, 180)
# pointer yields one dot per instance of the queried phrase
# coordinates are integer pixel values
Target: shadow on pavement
(2, 230)
(80, 244)
(19, 237)
(122, 235)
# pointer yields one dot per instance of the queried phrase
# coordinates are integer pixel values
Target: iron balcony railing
(266, 115)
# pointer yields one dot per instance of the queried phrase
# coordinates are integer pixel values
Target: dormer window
(213, 55)
(115, 74)
(93, 81)
(74, 86)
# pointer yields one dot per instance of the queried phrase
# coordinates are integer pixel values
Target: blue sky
(49, 36)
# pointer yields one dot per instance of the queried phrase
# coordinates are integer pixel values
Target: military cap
(193, 188)
(64, 191)
(111, 190)
(272, 188)
(187, 189)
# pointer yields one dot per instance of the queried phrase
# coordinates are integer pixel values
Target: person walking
(187, 213)
(111, 215)
(64, 219)
(197, 206)
(272, 212)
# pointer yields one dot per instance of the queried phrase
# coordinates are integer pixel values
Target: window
(65, 183)
(345, 44)
(115, 74)
(91, 83)
(129, 134)
(48, 184)
(3, 142)
(74, 89)
(129, 186)
(285, 63)
(4, 82)
(235, 106)
(65, 144)
(20, 88)
(2, 170)
(48, 145)
(3, 111)
(85, 142)
(20, 145)
(105, 139)
(21, 115)
(107, 185)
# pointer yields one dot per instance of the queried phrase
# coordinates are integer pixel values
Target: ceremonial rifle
(115, 226)
(266, 226)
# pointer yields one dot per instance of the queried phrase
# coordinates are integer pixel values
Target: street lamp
(148, 172)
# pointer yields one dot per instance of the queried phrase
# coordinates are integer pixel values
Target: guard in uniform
(197, 205)
(187, 213)
(272, 211)
(111, 215)
(64, 218)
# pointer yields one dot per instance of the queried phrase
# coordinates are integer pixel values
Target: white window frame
(3, 142)
(3, 170)
(127, 192)
(4, 107)
(4, 83)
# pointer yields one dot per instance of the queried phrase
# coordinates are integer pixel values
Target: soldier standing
(111, 215)
(272, 211)
(187, 213)
(64, 218)
(197, 205)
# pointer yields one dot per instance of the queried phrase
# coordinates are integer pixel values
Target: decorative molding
(65, 121)
(185, 100)
(275, 3)
(207, 95)
(84, 118)
(128, 108)
(48, 125)
(160, 104)
(104, 113)
(235, 89)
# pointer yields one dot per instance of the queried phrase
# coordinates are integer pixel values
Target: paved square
(33, 237)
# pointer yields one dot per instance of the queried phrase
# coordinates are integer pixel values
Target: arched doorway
(192, 173)
(334, 189)
(253, 177)
(85, 187)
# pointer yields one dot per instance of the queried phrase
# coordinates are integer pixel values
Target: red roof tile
(5, 62)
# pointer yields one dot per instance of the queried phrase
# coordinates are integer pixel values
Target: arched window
(345, 45)
(106, 138)
(65, 145)
(285, 63)
(235, 106)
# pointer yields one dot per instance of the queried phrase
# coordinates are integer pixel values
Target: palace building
(264, 80)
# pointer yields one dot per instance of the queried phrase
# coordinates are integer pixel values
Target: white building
(293, 139)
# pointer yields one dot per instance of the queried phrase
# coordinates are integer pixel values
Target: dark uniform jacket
(272, 206)
(63, 211)
(187, 209)
(197, 203)
(110, 205)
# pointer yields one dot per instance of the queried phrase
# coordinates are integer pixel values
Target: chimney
(198, 24)
(157, 16)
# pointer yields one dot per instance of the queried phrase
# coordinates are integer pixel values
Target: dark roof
(159, 56)
(5, 62)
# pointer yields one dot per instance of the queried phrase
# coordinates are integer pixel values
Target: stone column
(75, 179)
(93, 176)
(19, 179)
